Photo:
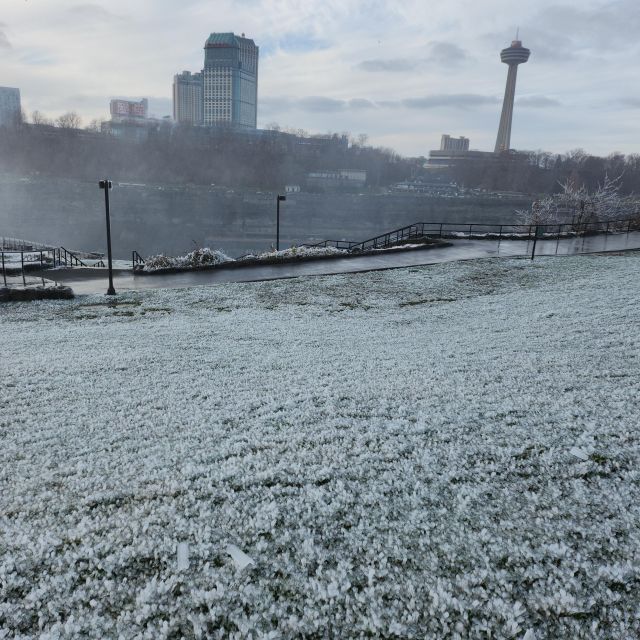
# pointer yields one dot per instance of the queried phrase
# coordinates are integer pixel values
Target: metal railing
(137, 260)
(450, 230)
(68, 258)
(18, 244)
(29, 259)
(34, 256)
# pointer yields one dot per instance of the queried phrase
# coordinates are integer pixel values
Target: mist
(184, 187)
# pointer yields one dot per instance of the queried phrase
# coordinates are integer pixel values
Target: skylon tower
(513, 56)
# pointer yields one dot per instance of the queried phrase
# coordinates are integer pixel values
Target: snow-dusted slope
(439, 452)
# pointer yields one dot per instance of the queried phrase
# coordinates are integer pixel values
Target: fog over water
(173, 219)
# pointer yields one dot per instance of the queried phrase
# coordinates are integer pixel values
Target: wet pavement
(84, 281)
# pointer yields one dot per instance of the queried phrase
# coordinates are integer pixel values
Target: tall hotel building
(10, 111)
(187, 98)
(225, 92)
(230, 80)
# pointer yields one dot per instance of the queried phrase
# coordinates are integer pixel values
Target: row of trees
(539, 172)
(174, 154)
(183, 154)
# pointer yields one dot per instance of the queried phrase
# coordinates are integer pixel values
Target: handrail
(462, 229)
(70, 258)
(136, 260)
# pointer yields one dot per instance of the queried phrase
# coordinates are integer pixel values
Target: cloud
(455, 100)
(361, 103)
(38, 58)
(394, 65)
(633, 103)
(320, 104)
(446, 53)
(88, 11)
(5, 45)
(537, 102)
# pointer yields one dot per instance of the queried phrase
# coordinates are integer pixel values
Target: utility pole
(279, 199)
(107, 185)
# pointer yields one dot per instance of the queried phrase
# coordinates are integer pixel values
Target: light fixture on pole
(106, 185)
(279, 199)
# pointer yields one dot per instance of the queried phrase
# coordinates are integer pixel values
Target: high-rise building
(188, 98)
(230, 81)
(513, 56)
(10, 110)
(447, 143)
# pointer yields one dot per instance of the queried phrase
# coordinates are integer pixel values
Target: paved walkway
(95, 280)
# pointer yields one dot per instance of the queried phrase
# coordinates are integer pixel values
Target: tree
(576, 205)
(39, 118)
(93, 126)
(69, 120)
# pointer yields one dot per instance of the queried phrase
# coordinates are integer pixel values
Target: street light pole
(106, 185)
(279, 199)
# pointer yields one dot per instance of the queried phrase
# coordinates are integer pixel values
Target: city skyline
(401, 75)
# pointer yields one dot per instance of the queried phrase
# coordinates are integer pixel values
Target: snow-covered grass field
(437, 452)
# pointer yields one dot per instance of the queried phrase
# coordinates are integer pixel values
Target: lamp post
(106, 185)
(279, 199)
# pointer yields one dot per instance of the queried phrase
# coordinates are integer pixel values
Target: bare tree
(37, 117)
(69, 120)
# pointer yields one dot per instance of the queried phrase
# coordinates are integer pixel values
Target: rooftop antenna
(517, 33)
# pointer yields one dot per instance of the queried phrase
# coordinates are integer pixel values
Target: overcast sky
(402, 71)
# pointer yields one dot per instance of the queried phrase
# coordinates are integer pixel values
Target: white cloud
(341, 64)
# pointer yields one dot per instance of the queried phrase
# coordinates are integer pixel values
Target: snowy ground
(438, 452)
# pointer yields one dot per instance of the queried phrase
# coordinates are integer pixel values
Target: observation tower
(513, 56)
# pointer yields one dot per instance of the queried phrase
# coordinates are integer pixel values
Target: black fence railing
(67, 258)
(16, 262)
(17, 257)
(137, 260)
(451, 230)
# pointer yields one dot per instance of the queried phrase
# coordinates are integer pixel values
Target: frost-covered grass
(438, 452)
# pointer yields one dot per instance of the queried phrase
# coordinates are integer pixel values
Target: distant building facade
(128, 109)
(230, 87)
(188, 98)
(130, 120)
(225, 92)
(10, 109)
(337, 179)
(447, 143)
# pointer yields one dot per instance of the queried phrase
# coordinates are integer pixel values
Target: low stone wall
(19, 294)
